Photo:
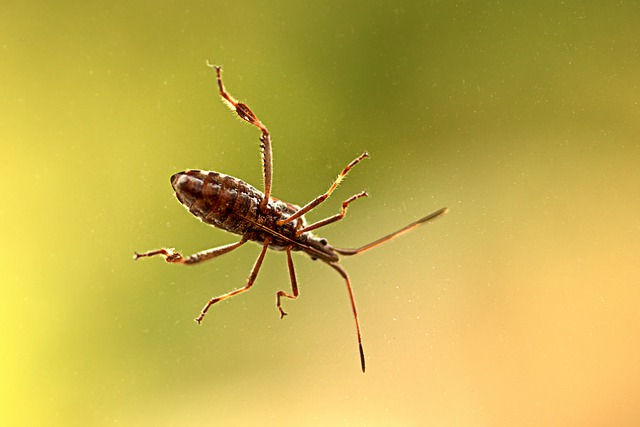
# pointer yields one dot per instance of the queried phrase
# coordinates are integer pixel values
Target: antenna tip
(433, 215)
(362, 364)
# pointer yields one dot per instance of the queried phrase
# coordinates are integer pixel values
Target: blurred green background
(518, 307)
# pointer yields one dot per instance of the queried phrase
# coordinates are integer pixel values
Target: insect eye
(323, 242)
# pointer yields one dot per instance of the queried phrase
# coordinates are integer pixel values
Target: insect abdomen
(218, 199)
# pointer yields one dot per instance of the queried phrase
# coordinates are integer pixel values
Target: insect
(233, 205)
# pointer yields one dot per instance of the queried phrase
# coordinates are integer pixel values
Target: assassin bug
(233, 205)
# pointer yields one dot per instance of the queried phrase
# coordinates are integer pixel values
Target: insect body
(235, 206)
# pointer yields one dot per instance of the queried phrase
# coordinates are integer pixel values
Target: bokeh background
(520, 307)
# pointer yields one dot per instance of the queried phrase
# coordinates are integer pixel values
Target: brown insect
(235, 206)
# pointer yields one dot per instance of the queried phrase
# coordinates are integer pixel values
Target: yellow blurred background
(520, 307)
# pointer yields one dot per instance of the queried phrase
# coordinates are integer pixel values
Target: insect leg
(176, 258)
(252, 278)
(294, 284)
(344, 274)
(334, 218)
(315, 202)
(248, 116)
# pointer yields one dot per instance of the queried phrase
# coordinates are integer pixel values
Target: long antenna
(393, 235)
(344, 274)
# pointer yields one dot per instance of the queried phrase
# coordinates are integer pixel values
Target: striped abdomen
(233, 205)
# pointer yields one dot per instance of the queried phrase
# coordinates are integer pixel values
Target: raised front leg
(334, 218)
(248, 116)
(315, 202)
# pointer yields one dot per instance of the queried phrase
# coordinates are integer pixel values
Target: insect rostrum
(233, 205)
